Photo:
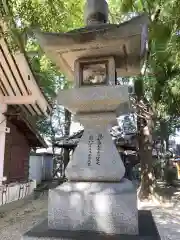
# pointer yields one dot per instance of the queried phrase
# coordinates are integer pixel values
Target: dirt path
(17, 222)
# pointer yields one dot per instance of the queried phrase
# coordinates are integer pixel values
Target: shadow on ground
(167, 218)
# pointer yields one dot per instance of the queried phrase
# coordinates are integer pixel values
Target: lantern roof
(126, 42)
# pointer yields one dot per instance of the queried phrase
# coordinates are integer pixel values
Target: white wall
(47, 167)
(15, 191)
(41, 167)
(36, 168)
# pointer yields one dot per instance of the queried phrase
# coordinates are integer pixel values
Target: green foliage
(48, 15)
(159, 85)
(170, 175)
(157, 168)
(161, 80)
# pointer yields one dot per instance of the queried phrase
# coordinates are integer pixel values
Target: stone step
(147, 231)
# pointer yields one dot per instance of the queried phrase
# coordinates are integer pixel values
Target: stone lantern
(96, 197)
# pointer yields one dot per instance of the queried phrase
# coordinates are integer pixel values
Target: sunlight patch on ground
(166, 216)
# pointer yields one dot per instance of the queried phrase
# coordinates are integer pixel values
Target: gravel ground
(167, 218)
(20, 220)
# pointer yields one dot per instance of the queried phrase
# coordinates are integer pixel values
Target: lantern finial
(96, 12)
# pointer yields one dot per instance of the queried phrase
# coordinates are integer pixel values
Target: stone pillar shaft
(96, 157)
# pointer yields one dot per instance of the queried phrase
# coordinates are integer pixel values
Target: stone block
(32, 186)
(96, 158)
(110, 208)
(13, 192)
(147, 231)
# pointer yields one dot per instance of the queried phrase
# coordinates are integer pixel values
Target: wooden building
(22, 137)
(21, 102)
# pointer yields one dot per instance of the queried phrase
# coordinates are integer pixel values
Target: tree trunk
(145, 155)
(53, 143)
(164, 134)
(67, 126)
(167, 143)
(144, 127)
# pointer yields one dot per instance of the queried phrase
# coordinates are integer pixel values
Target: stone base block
(110, 208)
(147, 231)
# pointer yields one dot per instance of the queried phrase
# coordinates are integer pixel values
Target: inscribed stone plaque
(96, 159)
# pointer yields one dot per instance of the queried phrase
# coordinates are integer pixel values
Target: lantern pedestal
(108, 208)
(96, 198)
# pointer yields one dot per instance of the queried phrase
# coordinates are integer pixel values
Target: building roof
(124, 142)
(26, 125)
(20, 90)
(41, 154)
(17, 82)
